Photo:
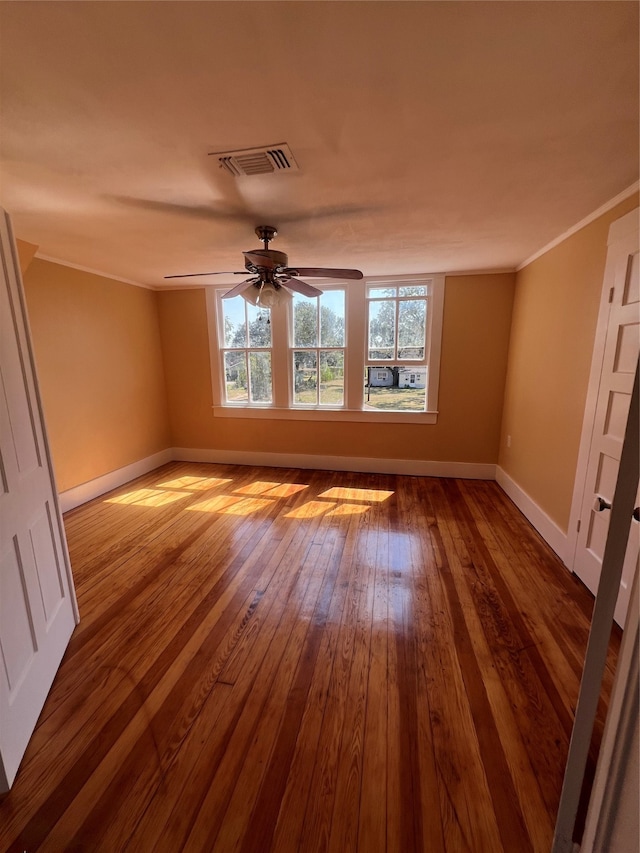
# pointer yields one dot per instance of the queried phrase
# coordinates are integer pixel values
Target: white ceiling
(430, 136)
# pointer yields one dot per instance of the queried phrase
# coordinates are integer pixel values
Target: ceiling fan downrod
(266, 233)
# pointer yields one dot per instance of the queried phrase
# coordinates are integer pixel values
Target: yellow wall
(477, 317)
(100, 370)
(554, 321)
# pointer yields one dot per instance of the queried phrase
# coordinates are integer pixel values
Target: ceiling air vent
(258, 161)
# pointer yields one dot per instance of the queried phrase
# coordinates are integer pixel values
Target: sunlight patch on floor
(246, 506)
(217, 504)
(195, 483)
(349, 509)
(346, 494)
(257, 488)
(310, 509)
(148, 497)
(285, 490)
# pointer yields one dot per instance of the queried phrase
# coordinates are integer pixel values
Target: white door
(38, 610)
(619, 360)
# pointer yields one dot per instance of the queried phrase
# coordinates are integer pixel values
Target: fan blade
(237, 210)
(300, 286)
(192, 274)
(239, 288)
(196, 211)
(319, 272)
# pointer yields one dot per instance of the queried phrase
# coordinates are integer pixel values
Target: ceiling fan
(271, 275)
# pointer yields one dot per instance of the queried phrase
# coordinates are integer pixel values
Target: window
(318, 349)
(397, 317)
(246, 352)
(305, 358)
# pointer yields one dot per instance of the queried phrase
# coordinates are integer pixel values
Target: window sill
(338, 415)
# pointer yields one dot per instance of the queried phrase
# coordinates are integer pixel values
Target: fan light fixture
(265, 296)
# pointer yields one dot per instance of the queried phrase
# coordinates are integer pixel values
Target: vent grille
(258, 161)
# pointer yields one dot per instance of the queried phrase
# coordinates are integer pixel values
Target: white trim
(609, 205)
(322, 414)
(546, 526)
(617, 230)
(616, 752)
(94, 488)
(488, 271)
(93, 272)
(412, 467)
(613, 559)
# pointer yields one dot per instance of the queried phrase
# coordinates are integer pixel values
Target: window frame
(247, 350)
(355, 356)
(319, 348)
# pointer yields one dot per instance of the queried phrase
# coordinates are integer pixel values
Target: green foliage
(408, 338)
(260, 369)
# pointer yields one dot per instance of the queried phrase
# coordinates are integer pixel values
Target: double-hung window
(362, 351)
(317, 354)
(246, 352)
(397, 332)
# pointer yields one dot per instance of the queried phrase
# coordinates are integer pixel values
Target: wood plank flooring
(286, 660)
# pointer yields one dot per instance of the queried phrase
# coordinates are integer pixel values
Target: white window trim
(355, 359)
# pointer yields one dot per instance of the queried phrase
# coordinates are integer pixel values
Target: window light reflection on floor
(346, 494)
(246, 506)
(148, 497)
(244, 500)
(349, 509)
(272, 490)
(310, 509)
(285, 490)
(195, 483)
(216, 504)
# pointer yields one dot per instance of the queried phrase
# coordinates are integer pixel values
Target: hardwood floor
(286, 660)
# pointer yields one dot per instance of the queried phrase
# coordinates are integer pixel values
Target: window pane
(331, 378)
(378, 292)
(305, 321)
(235, 377)
(414, 290)
(259, 326)
(412, 317)
(332, 318)
(260, 373)
(382, 329)
(395, 389)
(305, 377)
(235, 328)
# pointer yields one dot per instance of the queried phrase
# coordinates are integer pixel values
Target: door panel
(621, 348)
(37, 603)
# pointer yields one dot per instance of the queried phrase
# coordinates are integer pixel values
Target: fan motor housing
(272, 259)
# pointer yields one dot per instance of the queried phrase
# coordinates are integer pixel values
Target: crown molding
(92, 272)
(609, 205)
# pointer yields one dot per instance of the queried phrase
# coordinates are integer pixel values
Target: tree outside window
(247, 352)
(318, 349)
(397, 333)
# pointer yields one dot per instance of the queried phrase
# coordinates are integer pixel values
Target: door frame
(617, 230)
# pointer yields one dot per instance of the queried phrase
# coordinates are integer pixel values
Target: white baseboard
(546, 527)
(94, 488)
(413, 467)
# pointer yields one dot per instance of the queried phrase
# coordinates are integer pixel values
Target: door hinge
(611, 292)
(578, 525)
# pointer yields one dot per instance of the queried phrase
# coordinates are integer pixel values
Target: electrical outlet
(508, 441)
